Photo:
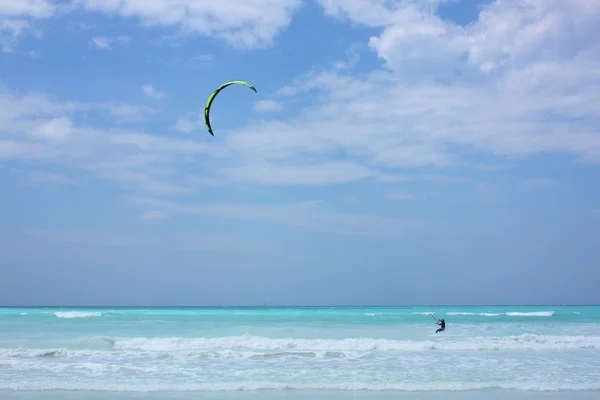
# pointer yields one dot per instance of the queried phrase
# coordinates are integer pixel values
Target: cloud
(105, 43)
(325, 173)
(10, 30)
(56, 129)
(266, 106)
(151, 92)
(297, 215)
(20, 109)
(440, 99)
(445, 95)
(128, 112)
(100, 42)
(189, 123)
(34, 127)
(17, 18)
(376, 13)
(254, 23)
(28, 8)
(412, 32)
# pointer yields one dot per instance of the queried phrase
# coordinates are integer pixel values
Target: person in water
(442, 325)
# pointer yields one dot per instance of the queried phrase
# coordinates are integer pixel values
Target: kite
(214, 94)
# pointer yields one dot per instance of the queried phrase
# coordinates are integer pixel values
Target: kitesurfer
(442, 325)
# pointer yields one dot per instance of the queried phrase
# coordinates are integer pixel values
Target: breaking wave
(76, 314)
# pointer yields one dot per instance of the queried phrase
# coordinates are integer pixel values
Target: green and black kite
(214, 94)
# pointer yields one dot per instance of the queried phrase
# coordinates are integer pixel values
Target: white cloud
(266, 106)
(507, 33)
(10, 30)
(437, 101)
(520, 33)
(55, 129)
(376, 13)
(297, 215)
(105, 42)
(522, 79)
(325, 173)
(35, 127)
(17, 18)
(100, 42)
(253, 23)
(29, 8)
(128, 112)
(191, 122)
(411, 32)
(151, 92)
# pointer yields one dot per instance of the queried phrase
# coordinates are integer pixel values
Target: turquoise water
(339, 350)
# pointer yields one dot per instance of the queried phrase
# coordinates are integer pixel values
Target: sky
(396, 152)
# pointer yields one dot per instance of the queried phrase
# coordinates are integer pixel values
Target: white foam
(531, 314)
(254, 343)
(527, 362)
(146, 386)
(255, 346)
(76, 314)
(509, 314)
(485, 314)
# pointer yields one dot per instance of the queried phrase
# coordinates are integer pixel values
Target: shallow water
(306, 352)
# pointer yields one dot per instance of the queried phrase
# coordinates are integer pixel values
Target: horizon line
(300, 306)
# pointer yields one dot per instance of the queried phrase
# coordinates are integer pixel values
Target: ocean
(300, 353)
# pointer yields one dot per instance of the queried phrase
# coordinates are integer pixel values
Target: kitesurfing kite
(212, 97)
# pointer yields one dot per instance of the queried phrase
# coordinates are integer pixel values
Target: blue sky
(397, 152)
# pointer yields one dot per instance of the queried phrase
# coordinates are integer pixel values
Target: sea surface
(300, 353)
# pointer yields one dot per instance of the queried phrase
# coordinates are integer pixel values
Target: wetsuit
(442, 324)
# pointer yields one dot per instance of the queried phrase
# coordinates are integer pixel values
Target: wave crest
(247, 345)
(76, 314)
